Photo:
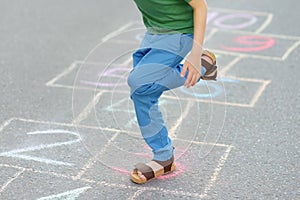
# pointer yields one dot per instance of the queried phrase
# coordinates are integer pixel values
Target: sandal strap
(145, 170)
(156, 168)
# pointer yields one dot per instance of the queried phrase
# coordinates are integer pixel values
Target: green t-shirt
(165, 16)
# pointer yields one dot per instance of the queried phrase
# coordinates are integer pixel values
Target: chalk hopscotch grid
(89, 164)
(214, 176)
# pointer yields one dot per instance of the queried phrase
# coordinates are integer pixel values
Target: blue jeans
(156, 68)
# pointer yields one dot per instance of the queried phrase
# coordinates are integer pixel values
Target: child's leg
(153, 75)
(155, 71)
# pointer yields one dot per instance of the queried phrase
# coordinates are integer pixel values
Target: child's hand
(193, 66)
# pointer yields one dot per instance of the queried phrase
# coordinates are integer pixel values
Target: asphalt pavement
(67, 126)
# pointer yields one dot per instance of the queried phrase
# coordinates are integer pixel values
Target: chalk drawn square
(233, 91)
(248, 44)
(115, 110)
(44, 146)
(112, 110)
(7, 174)
(196, 164)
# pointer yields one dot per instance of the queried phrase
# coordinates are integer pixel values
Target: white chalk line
(82, 62)
(128, 61)
(246, 55)
(136, 194)
(279, 36)
(290, 50)
(224, 70)
(85, 88)
(62, 74)
(14, 177)
(95, 158)
(145, 188)
(216, 173)
(210, 101)
(43, 146)
(259, 93)
(204, 143)
(87, 110)
(264, 84)
(7, 122)
(186, 111)
(112, 108)
(118, 31)
(124, 63)
(123, 41)
(69, 195)
(211, 33)
(68, 125)
(240, 11)
(37, 159)
(36, 171)
(265, 24)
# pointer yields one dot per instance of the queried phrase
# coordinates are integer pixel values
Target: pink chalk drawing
(252, 43)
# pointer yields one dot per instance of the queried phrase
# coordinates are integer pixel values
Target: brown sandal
(152, 170)
(208, 61)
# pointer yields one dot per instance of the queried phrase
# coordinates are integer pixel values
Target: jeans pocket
(165, 42)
